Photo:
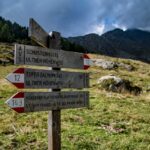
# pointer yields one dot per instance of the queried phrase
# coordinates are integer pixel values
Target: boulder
(126, 66)
(105, 64)
(111, 65)
(116, 84)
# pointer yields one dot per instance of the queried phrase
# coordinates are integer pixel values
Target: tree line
(13, 32)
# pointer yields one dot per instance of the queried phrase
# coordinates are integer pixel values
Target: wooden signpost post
(51, 56)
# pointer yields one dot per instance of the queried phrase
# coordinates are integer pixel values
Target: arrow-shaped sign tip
(16, 103)
(17, 78)
(8, 77)
(7, 102)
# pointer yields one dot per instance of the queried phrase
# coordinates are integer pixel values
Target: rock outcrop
(116, 84)
(105, 64)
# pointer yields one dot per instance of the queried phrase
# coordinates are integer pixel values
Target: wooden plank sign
(38, 56)
(44, 101)
(34, 78)
(37, 33)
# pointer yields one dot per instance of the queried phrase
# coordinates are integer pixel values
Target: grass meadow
(113, 121)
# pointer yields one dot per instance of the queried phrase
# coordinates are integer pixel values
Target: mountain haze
(132, 43)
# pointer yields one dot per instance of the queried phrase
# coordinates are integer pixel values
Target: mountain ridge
(132, 43)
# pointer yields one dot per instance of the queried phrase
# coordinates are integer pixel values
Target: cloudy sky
(79, 17)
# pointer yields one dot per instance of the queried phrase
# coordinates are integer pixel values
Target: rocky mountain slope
(132, 43)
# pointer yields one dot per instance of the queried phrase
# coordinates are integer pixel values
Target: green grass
(5, 50)
(112, 122)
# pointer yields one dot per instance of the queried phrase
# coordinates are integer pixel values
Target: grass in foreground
(112, 122)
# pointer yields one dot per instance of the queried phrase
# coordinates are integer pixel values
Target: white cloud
(119, 26)
(98, 29)
(78, 17)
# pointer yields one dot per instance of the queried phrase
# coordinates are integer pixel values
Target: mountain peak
(116, 32)
(132, 43)
(92, 34)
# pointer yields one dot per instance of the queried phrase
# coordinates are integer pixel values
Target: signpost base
(54, 130)
(50, 134)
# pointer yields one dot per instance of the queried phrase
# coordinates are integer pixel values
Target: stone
(116, 84)
(105, 64)
(126, 66)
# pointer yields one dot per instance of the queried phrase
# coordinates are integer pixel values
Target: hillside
(132, 44)
(113, 120)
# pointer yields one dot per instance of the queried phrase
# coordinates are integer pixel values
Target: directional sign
(38, 56)
(34, 78)
(44, 101)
